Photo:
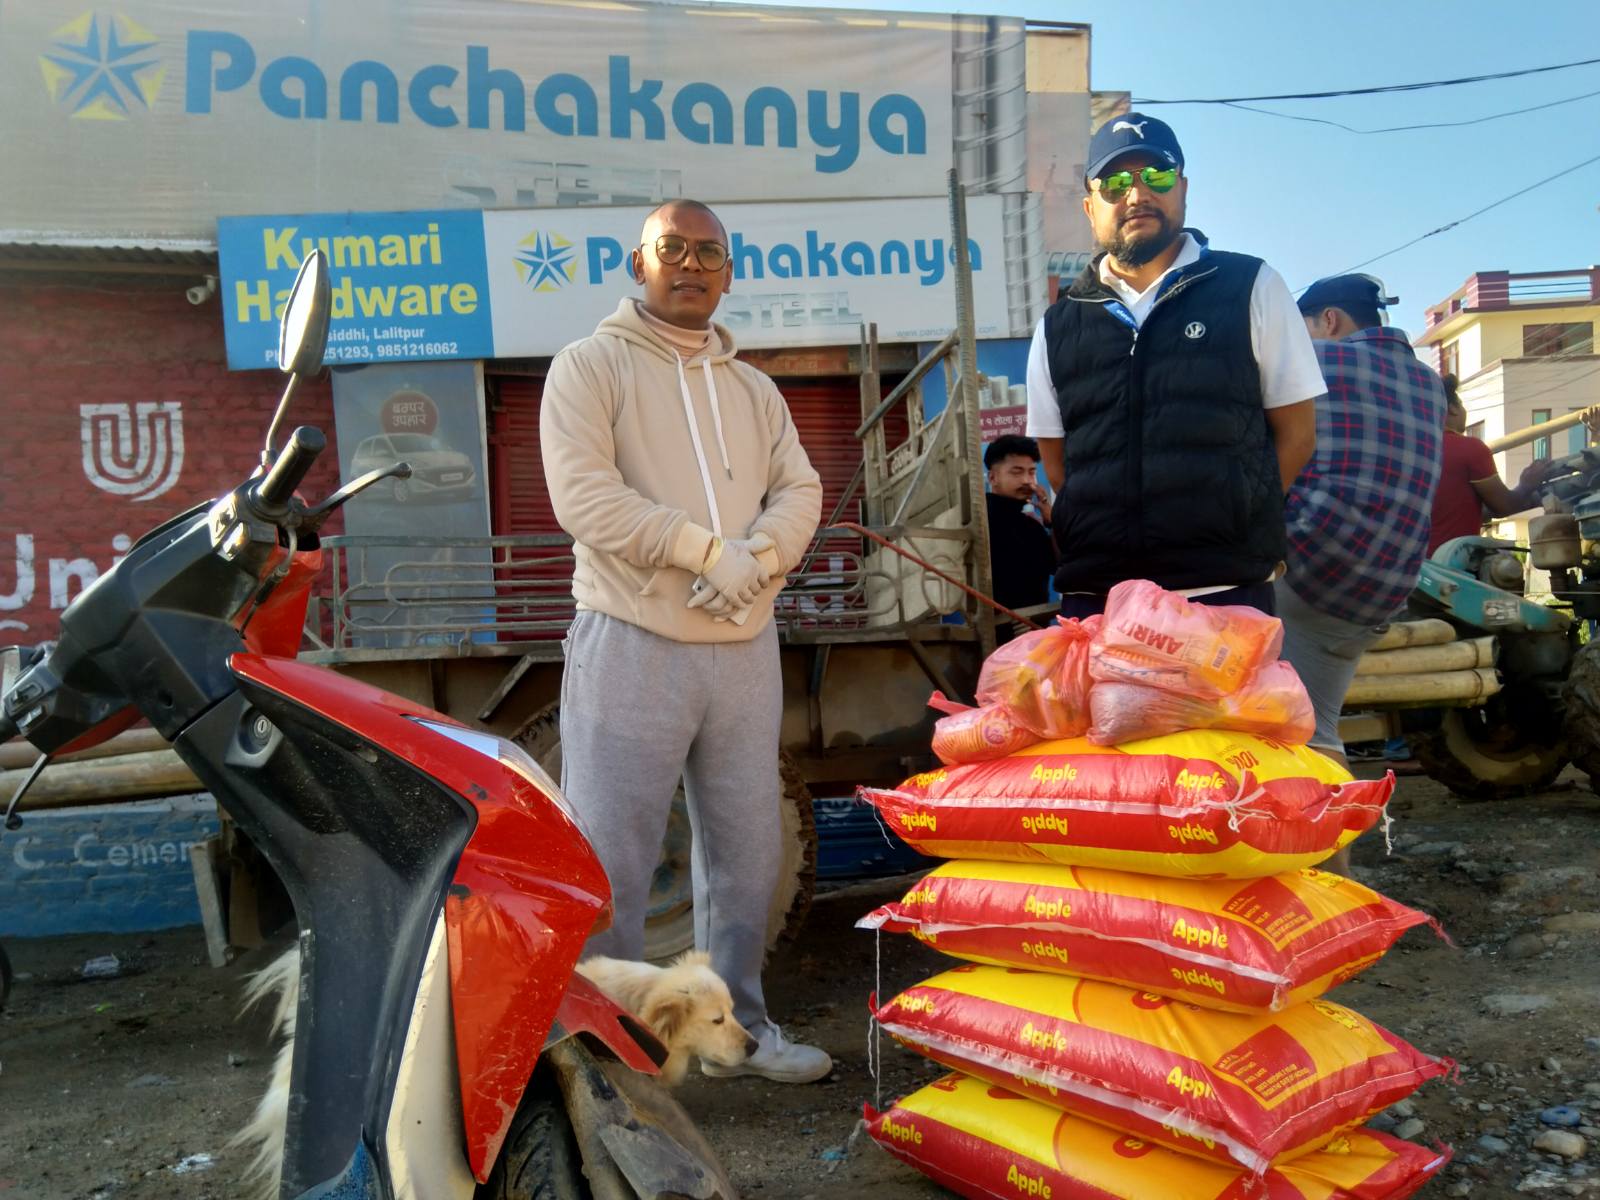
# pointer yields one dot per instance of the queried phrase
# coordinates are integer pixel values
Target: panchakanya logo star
(103, 66)
(546, 262)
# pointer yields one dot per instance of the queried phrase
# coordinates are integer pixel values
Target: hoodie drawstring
(699, 450)
(716, 415)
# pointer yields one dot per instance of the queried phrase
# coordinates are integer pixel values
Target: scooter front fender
(585, 1009)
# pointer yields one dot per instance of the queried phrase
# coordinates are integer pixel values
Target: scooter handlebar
(279, 485)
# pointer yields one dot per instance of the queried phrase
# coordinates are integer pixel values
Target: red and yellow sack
(1160, 639)
(980, 1142)
(1202, 803)
(1249, 1088)
(1235, 945)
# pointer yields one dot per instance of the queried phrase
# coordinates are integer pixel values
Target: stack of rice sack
(1145, 940)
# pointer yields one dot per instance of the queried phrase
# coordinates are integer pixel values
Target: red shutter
(826, 413)
(520, 503)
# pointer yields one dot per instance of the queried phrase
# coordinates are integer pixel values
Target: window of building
(1543, 341)
(1450, 359)
(1577, 436)
(1541, 448)
(1475, 430)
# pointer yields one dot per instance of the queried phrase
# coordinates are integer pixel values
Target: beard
(1135, 252)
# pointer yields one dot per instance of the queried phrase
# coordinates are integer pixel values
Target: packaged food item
(968, 734)
(1204, 803)
(1160, 639)
(1043, 678)
(1251, 1088)
(1251, 945)
(1272, 703)
(984, 1142)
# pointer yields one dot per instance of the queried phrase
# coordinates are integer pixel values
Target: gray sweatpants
(1324, 651)
(637, 711)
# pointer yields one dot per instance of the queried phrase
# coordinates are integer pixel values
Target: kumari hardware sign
(524, 283)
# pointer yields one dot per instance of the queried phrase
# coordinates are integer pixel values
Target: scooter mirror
(303, 331)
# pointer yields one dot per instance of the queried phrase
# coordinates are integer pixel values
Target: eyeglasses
(1114, 187)
(672, 250)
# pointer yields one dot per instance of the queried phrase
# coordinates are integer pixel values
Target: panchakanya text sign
(524, 283)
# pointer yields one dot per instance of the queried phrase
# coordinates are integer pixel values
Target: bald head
(663, 214)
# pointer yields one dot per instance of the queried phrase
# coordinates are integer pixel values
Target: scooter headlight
(512, 755)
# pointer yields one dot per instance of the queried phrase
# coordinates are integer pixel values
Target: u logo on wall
(132, 450)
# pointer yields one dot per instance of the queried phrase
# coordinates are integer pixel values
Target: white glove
(733, 575)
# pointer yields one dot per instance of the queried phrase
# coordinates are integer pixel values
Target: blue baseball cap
(1129, 133)
(1345, 291)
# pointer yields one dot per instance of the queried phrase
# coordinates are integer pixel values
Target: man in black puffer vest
(1172, 391)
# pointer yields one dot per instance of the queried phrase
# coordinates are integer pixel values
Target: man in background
(1358, 514)
(1021, 555)
(1470, 484)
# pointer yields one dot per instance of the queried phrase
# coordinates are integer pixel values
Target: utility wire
(1373, 91)
(1445, 228)
(1267, 112)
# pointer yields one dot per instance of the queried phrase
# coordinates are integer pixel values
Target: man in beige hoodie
(678, 472)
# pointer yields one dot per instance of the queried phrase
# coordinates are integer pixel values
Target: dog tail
(279, 985)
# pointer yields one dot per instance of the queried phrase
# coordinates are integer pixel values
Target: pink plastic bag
(1043, 678)
(968, 735)
(1157, 638)
(1273, 704)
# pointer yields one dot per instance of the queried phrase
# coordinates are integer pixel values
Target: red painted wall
(67, 342)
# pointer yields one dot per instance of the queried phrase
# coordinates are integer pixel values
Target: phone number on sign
(415, 350)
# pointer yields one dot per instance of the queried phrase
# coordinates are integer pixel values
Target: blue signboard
(406, 286)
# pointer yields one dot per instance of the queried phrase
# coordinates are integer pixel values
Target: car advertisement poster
(410, 575)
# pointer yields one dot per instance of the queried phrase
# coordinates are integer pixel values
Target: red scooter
(443, 1047)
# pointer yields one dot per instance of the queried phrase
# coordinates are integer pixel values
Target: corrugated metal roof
(83, 253)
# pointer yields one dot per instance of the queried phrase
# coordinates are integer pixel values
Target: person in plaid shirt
(1358, 515)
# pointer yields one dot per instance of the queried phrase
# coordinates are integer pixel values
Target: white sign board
(804, 274)
(155, 118)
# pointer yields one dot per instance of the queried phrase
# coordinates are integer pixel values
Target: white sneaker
(777, 1059)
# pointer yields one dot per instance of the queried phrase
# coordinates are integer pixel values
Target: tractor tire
(1581, 712)
(669, 927)
(5, 977)
(540, 1159)
(1479, 754)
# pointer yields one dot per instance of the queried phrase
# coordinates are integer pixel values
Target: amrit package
(1204, 803)
(1229, 944)
(1251, 1088)
(983, 1142)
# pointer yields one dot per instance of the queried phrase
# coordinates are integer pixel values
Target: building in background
(1522, 346)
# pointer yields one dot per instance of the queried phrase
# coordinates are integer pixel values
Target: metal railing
(413, 596)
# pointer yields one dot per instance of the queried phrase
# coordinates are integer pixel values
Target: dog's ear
(668, 1013)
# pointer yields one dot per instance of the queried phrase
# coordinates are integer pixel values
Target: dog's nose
(751, 1046)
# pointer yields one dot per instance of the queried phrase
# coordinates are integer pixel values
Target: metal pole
(1521, 437)
(967, 396)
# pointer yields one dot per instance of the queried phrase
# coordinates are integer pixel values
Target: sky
(1314, 200)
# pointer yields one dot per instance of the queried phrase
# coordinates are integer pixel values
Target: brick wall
(67, 343)
(121, 868)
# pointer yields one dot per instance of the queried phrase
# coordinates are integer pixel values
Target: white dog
(278, 984)
(686, 1005)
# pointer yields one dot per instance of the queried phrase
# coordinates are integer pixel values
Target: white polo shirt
(1288, 363)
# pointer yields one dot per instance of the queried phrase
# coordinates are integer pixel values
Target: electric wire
(1375, 91)
(1267, 112)
(1445, 228)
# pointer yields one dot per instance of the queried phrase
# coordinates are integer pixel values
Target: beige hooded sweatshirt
(647, 457)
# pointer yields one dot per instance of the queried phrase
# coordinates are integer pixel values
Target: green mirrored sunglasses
(1115, 186)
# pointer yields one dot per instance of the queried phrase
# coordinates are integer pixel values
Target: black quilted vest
(1171, 473)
